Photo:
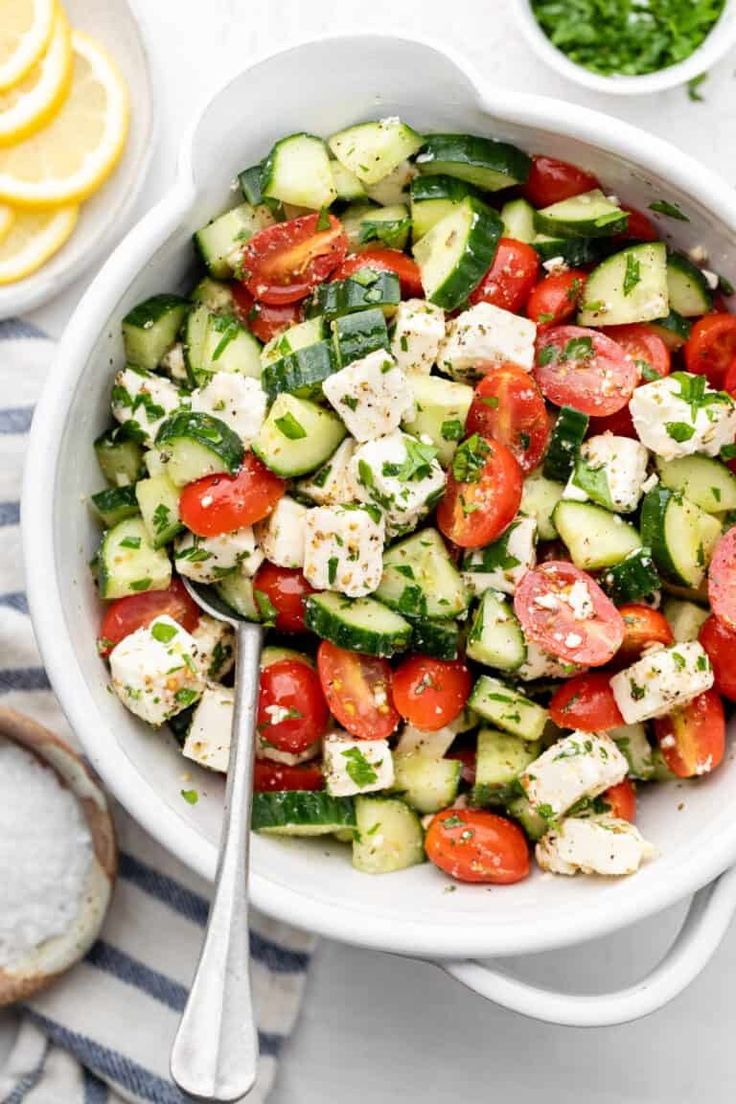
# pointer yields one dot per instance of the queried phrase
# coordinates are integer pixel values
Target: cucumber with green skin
(420, 580)
(433, 197)
(197, 444)
(457, 252)
(539, 497)
(389, 835)
(357, 335)
(237, 591)
(517, 216)
(572, 251)
(440, 411)
(680, 535)
(297, 437)
(634, 578)
(673, 329)
(221, 240)
(595, 538)
(389, 226)
(589, 215)
(158, 500)
(151, 328)
(297, 171)
(507, 709)
(567, 436)
(630, 286)
(301, 372)
(705, 481)
(215, 294)
(500, 759)
(217, 342)
(357, 624)
(439, 639)
(127, 562)
(373, 150)
(301, 813)
(119, 455)
(426, 783)
(114, 504)
(689, 292)
(495, 638)
(297, 337)
(365, 289)
(487, 164)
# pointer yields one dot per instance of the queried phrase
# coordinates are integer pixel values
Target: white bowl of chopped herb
(629, 47)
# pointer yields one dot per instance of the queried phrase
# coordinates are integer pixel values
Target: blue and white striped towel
(103, 1033)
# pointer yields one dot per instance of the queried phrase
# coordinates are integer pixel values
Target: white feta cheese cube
(332, 484)
(484, 337)
(281, 534)
(539, 664)
(343, 549)
(172, 363)
(593, 845)
(401, 476)
(661, 681)
(356, 766)
(371, 395)
(154, 671)
(503, 564)
(673, 417)
(264, 750)
(215, 647)
(208, 739)
(207, 559)
(238, 401)
(613, 470)
(582, 764)
(419, 327)
(144, 399)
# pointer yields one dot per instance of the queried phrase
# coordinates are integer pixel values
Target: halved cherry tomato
(285, 588)
(269, 776)
(223, 503)
(385, 260)
(509, 407)
(720, 644)
(729, 380)
(621, 424)
(642, 626)
(292, 711)
(645, 347)
(473, 513)
(284, 262)
(137, 611)
(639, 227)
(473, 845)
(551, 181)
(722, 580)
(510, 278)
(692, 739)
(567, 614)
(621, 800)
(431, 693)
(711, 347)
(586, 702)
(585, 369)
(358, 691)
(556, 297)
(265, 321)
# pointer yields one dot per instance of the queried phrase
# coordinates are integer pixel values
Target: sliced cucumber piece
(680, 535)
(115, 504)
(297, 170)
(273, 654)
(420, 580)
(347, 185)
(366, 225)
(389, 836)
(457, 252)
(480, 161)
(297, 436)
(127, 563)
(358, 624)
(573, 251)
(495, 638)
(630, 286)
(120, 456)
(364, 290)
(500, 759)
(705, 481)
(426, 783)
(634, 745)
(533, 824)
(237, 591)
(373, 150)
(250, 186)
(158, 500)
(151, 328)
(686, 618)
(214, 294)
(518, 220)
(301, 372)
(635, 577)
(301, 813)
(673, 329)
(220, 242)
(194, 445)
(357, 335)
(507, 709)
(538, 501)
(565, 440)
(433, 197)
(594, 537)
(292, 340)
(441, 407)
(440, 639)
(218, 343)
(589, 215)
(689, 293)
(394, 188)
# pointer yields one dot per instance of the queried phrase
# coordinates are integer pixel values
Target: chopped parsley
(332, 564)
(266, 609)
(350, 402)
(470, 458)
(664, 207)
(228, 327)
(161, 518)
(140, 584)
(290, 427)
(323, 219)
(162, 632)
(679, 431)
(417, 464)
(359, 769)
(693, 87)
(190, 796)
(131, 542)
(186, 696)
(648, 374)
(451, 430)
(632, 275)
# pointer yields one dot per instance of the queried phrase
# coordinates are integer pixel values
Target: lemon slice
(77, 150)
(30, 103)
(7, 215)
(33, 237)
(25, 30)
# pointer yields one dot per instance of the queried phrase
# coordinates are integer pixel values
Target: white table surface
(377, 1029)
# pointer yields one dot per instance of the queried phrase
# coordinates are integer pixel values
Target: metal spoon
(215, 1052)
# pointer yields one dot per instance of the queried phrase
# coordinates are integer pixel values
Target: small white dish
(103, 218)
(718, 42)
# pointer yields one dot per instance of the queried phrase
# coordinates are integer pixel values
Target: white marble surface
(377, 1029)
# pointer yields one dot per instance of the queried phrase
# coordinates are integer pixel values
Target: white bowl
(321, 86)
(714, 46)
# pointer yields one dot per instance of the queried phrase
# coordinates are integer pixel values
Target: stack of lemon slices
(63, 125)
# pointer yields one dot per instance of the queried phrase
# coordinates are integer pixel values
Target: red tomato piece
(621, 800)
(639, 227)
(645, 347)
(285, 588)
(565, 612)
(284, 262)
(692, 739)
(509, 407)
(385, 260)
(510, 278)
(137, 611)
(722, 580)
(642, 626)
(556, 297)
(586, 702)
(223, 503)
(720, 644)
(467, 757)
(621, 424)
(711, 348)
(550, 181)
(472, 845)
(358, 691)
(473, 512)
(729, 380)
(292, 711)
(431, 693)
(585, 369)
(265, 321)
(269, 776)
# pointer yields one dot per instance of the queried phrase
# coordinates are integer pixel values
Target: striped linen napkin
(104, 1032)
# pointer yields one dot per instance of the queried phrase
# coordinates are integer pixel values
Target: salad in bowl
(457, 427)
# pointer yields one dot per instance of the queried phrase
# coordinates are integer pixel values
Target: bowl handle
(710, 912)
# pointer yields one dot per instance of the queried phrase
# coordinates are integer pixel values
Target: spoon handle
(215, 1052)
